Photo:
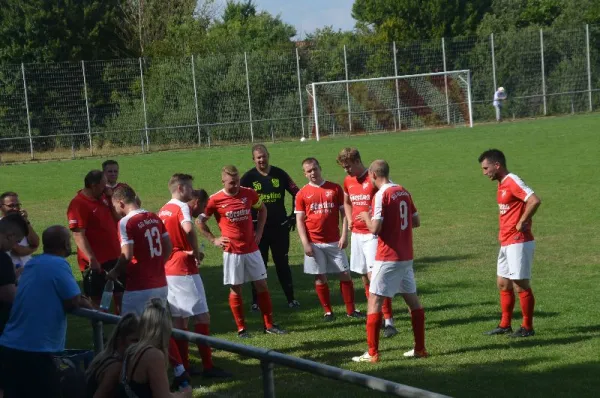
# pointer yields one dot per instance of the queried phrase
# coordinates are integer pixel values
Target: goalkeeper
(270, 183)
(499, 98)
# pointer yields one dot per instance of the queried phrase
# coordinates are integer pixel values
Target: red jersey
(360, 190)
(322, 205)
(512, 195)
(234, 216)
(174, 214)
(393, 205)
(95, 217)
(144, 230)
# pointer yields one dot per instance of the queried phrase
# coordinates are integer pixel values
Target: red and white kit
(321, 204)
(363, 244)
(242, 261)
(186, 290)
(393, 269)
(146, 272)
(516, 252)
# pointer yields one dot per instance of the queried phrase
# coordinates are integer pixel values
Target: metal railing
(268, 358)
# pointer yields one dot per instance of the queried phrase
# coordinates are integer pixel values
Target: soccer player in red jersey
(110, 168)
(94, 229)
(242, 262)
(358, 195)
(186, 297)
(319, 205)
(393, 217)
(517, 203)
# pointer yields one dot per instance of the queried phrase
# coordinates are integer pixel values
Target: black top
(92, 379)
(271, 190)
(130, 388)
(7, 277)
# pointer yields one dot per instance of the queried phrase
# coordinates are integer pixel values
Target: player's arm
(343, 243)
(84, 245)
(122, 262)
(167, 246)
(190, 234)
(301, 227)
(261, 219)
(373, 224)
(32, 238)
(348, 209)
(416, 220)
(532, 203)
(202, 224)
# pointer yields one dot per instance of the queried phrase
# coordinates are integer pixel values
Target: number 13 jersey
(144, 230)
(393, 206)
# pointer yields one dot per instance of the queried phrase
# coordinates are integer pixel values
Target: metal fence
(269, 358)
(77, 109)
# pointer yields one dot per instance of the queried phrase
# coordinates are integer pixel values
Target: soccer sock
(323, 293)
(387, 309)
(266, 307)
(373, 328)
(204, 350)
(347, 288)
(527, 304)
(417, 318)
(367, 293)
(237, 309)
(184, 351)
(174, 356)
(507, 303)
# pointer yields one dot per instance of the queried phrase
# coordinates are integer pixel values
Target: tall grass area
(455, 260)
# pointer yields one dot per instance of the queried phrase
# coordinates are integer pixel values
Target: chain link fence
(77, 109)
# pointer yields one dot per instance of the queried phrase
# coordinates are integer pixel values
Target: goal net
(390, 103)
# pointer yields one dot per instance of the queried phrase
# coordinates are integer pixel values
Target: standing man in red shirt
(186, 297)
(110, 168)
(358, 196)
(394, 216)
(242, 262)
(319, 206)
(94, 229)
(517, 203)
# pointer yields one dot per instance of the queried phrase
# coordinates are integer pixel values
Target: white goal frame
(313, 86)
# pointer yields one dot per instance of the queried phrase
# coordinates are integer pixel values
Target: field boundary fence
(105, 108)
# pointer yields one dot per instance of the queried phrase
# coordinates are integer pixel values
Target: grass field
(455, 251)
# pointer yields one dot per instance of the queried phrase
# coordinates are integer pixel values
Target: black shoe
(275, 330)
(254, 308)
(329, 317)
(243, 334)
(522, 332)
(356, 315)
(178, 380)
(216, 373)
(499, 330)
(294, 304)
(389, 331)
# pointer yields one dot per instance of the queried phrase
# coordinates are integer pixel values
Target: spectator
(102, 376)
(12, 230)
(144, 372)
(22, 251)
(37, 326)
(499, 98)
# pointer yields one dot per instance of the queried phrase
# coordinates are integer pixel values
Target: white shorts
(515, 261)
(186, 295)
(135, 301)
(362, 253)
(392, 277)
(328, 259)
(242, 268)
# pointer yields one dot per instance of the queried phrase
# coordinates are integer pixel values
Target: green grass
(455, 264)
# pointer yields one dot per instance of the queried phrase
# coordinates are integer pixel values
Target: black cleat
(275, 330)
(499, 330)
(522, 332)
(329, 317)
(389, 331)
(356, 315)
(216, 373)
(254, 308)
(294, 304)
(243, 334)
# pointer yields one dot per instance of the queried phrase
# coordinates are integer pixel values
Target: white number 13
(154, 242)
(403, 215)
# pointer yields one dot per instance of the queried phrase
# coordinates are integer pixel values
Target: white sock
(389, 322)
(178, 370)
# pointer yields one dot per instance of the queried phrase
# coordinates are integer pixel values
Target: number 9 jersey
(393, 206)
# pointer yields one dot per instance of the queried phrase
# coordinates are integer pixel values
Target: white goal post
(390, 103)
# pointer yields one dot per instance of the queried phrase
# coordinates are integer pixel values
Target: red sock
(237, 309)
(347, 288)
(204, 350)
(323, 293)
(417, 318)
(527, 303)
(266, 307)
(507, 303)
(373, 328)
(387, 308)
(367, 291)
(184, 351)
(174, 356)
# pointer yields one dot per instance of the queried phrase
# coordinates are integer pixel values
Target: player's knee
(320, 279)
(345, 276)
(236, 289)
(261, 285)
(202, 318)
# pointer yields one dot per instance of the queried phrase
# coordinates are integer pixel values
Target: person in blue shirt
(37, 327)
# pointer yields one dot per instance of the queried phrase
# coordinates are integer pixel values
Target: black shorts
(94, 280)
(28, 374)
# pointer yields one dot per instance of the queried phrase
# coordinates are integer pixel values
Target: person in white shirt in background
(499, 97)
(22, 251)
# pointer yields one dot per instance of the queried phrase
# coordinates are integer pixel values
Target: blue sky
(308, 15)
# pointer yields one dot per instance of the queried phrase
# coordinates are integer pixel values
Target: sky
(308, 15)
